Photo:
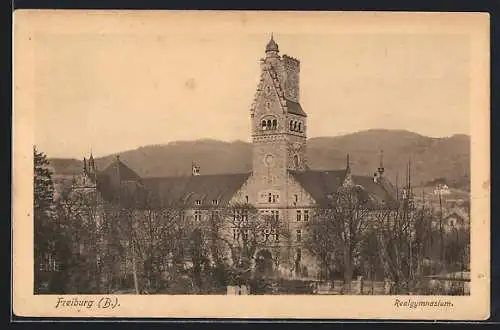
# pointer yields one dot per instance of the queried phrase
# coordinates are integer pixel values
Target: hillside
(432, 158)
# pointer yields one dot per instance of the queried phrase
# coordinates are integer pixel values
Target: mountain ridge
(431, 157)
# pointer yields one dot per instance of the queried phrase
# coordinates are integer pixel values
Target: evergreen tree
(43, 216)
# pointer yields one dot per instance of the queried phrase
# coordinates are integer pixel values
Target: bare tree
(154, 236)
(337, 228)
(403, 236)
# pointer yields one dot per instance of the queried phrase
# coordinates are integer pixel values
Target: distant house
(442, 189)
(456, 218)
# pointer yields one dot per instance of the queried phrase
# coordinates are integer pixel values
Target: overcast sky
(117, 87)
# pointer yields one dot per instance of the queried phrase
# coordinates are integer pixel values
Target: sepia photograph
(202, 154)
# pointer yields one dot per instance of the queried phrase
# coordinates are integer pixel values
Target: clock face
(269, 160)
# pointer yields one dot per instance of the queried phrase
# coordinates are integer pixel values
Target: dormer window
(197, 202)
(268, 105)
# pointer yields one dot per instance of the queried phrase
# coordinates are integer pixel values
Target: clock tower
(278, 121)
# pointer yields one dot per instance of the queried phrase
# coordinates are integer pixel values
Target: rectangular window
(299, 215)
(306, 215)
(215, 202)
(236, 233)
(299, 235)
(244, 216)
(296, 198)
(269, 198)
(276, 215)
(245, 233)
(197, 202)
(246, 199)
(197, 215)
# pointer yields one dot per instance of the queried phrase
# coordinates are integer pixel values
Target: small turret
(272, 46)
(92, 167)
(348, 181)
(272, 52)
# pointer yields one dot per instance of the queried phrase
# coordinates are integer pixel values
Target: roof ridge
(195, 176)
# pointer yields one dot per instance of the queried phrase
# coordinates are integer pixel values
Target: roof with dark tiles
(295, 108)
(323, 184)
(188, 189)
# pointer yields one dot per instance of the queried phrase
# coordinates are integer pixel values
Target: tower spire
(272, 46)
(91, 161)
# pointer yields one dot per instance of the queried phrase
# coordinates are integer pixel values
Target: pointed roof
(117, 167)
(272, 46)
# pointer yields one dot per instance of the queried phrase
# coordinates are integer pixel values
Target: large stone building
(280, 185)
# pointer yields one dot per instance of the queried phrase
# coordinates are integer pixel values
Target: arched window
(263, 124)
(294, 125)
(275, 123)
(291, 125)
(269, 123)
(300, 128)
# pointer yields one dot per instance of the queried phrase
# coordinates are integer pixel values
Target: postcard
(233, 164)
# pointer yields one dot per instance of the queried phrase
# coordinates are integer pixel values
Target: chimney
(195, 169)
